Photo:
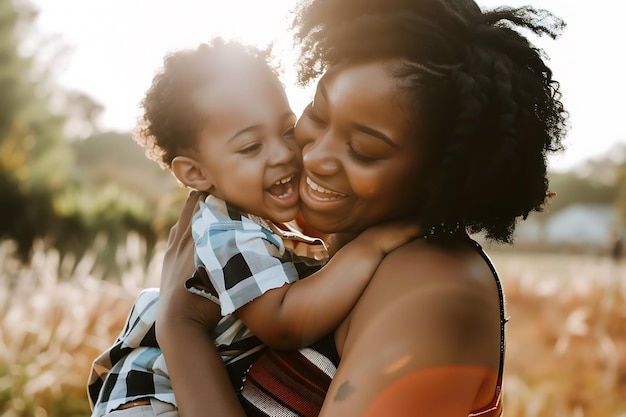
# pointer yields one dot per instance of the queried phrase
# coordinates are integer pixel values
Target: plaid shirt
(245, 256)
(134, 366)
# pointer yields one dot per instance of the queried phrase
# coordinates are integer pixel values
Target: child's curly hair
(485, 103)
(173, 115)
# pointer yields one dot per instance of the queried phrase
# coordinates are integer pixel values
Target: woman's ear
(191, 173)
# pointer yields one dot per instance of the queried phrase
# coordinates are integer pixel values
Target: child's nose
(282, 153)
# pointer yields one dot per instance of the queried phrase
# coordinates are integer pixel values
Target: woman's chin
(318, 220)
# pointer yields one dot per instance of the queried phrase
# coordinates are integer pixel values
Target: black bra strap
(503, 318)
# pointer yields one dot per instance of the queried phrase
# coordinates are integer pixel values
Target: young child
(218, 117)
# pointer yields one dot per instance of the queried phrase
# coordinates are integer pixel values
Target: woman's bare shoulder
(427, 312)
(442, 302)
(420, 267)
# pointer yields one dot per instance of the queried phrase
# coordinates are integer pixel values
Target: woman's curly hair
(485, 103)
(173, 114)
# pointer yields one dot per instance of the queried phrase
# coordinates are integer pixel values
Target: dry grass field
(566, 352)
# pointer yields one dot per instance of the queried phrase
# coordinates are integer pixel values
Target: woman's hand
(196, 369)
(178, 263)
(336, 241)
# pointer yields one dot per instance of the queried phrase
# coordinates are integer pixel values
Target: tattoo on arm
(344, 391)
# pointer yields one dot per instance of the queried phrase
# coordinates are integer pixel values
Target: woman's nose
(320, 156)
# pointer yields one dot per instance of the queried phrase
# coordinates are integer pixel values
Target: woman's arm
(199, 378)
(423, 339)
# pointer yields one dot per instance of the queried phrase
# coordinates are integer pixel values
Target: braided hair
(486, 108)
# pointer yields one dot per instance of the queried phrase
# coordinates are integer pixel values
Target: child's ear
(191, 173)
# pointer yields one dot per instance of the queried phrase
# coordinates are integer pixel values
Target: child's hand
(336, 241)
(390, 235)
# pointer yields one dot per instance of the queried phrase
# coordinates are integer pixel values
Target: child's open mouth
(282, 188)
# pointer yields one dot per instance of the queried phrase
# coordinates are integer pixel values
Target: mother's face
(359, 151)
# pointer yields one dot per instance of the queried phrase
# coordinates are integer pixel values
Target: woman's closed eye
(289, 132)
(310, 113)
(360, 156)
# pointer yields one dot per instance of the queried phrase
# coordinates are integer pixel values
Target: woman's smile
(358, 151)
(318, 192)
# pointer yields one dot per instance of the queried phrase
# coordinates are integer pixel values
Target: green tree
(34, 157)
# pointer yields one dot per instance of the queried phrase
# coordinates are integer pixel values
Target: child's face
(248, 148)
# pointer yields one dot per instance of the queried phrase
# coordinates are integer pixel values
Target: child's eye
(250, 149)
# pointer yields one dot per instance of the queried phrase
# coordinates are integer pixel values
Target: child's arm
(198, 375)
(300, 313)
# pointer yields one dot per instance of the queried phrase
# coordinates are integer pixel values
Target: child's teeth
(284, 180)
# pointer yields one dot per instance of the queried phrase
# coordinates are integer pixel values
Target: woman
(434, 110)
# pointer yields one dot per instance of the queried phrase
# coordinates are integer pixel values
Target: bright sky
(115, 46)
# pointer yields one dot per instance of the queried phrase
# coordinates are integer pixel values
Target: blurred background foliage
(59, 188)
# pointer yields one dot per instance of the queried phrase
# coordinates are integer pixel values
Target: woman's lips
(320, 193)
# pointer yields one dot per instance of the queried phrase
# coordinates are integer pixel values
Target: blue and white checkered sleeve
(243, 259)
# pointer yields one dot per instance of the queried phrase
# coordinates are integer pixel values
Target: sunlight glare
(116, 64)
